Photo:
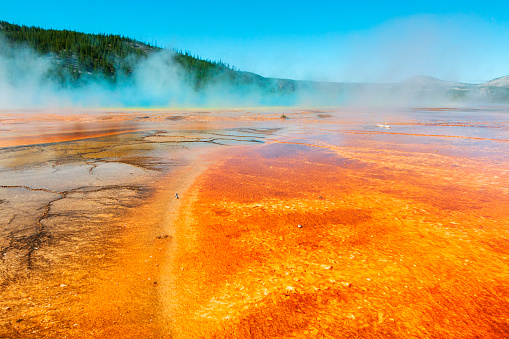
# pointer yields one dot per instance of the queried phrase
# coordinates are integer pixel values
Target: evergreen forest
(82, 57)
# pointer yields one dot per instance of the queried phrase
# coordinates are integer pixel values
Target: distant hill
(498, 82)
(428, 82)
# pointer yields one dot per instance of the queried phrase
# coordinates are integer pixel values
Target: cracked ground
(64, 211)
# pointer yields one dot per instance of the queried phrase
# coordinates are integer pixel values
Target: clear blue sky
(373, 41)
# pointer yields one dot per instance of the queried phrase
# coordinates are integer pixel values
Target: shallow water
(84, 197)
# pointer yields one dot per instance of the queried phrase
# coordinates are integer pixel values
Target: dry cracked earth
(64, 211)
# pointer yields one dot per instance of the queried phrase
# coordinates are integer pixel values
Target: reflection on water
(71, 186)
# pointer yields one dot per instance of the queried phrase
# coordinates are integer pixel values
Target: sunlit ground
(326, 223)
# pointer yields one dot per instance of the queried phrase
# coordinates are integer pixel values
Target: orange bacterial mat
(290, 240)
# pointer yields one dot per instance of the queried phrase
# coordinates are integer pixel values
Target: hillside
(82, 57)
(79, 53)
(498, 82)
(134, 73)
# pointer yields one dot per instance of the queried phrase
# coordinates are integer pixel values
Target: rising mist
(27, 79)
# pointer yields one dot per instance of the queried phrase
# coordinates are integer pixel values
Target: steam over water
(157, 81)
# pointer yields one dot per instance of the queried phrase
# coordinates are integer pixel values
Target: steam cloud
(157, 81)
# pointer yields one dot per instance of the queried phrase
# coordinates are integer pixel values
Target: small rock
(299, 226)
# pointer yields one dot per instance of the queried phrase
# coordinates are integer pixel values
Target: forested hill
(81, 57)
(137, 73)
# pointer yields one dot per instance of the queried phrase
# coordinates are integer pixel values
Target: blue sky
(366, 41)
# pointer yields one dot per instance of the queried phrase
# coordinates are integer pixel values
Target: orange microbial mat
(330, 223)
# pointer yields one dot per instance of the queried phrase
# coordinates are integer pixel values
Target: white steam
(23, 80)
(157, 81)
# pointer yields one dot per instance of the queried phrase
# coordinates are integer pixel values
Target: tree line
(81, 56)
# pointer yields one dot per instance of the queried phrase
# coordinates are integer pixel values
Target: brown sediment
(114, 289)
(126, 303)
(83, 261)
(389, 246)
(42, 138)
(31, 128)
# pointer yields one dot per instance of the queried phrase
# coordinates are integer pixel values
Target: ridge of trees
(81, 56)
